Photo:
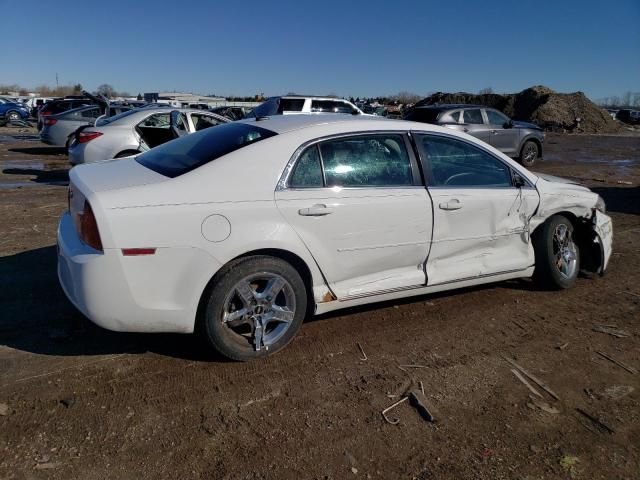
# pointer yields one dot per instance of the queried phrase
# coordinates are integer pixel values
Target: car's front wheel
(13, 115)
(557, 254)
(255, 308)
(529, 153)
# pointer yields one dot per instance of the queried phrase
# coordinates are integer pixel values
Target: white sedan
(241, 231)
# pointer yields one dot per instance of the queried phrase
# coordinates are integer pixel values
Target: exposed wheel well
(126, 153)
(584, 235)
(294, 260)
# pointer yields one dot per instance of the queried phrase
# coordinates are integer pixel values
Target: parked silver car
(520, 140)
(137, 131)
(58, 129)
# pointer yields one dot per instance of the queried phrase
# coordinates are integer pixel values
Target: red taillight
(88, 227)
(50, 121)
(46, 112)
(84, 137)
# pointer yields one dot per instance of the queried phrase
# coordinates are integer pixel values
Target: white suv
(294, 104)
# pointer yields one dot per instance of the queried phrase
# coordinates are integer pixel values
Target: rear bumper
(157, 293)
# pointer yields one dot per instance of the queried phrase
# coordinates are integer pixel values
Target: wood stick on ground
(526, 384)
(364, 355)
(540, 383)
(618, 363)
(597, 423)
(611, 330)
(631, 293)
(413, 366)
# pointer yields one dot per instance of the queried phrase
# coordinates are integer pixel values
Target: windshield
(187, 153)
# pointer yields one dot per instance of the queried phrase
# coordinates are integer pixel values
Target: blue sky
(344, 47)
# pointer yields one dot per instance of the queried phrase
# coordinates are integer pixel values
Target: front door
(481, 220)
(358, 204)
(502, 134)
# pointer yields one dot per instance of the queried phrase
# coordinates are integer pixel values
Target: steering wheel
(457, 176)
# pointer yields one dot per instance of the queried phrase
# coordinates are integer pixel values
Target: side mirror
(518, 181)
(508, 124)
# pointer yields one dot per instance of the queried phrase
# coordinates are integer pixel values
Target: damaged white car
(241, 231)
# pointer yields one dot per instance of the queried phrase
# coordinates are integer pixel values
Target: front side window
(366, 161)
(496, 118)
(472, 116)
(291, 105)
(455, 163)
(331, 106)
(450, 117)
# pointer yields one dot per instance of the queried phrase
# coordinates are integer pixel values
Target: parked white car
(242, 230)
(300, 105)
(137, 131)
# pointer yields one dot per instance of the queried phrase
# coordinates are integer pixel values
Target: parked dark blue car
(10, 110)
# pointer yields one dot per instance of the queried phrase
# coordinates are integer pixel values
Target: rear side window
(378, 160)
(455, 163)
(192, 151)
(472, 116)
(331, 106)
(424, 115)
(291, 105)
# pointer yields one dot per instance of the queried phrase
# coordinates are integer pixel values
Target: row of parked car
(103, 130)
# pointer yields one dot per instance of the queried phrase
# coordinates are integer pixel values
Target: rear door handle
(317, 210)
(453, 204)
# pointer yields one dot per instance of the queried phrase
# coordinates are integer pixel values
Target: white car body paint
(372, 247)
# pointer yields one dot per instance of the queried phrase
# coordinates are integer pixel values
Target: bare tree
(406, 98)
(106, 90)
(485, 91)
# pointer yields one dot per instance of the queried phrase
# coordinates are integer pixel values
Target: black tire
(12, 115)
(127, 153)
(529, 153)
(68, 142)
(552, 270)
(238, 342)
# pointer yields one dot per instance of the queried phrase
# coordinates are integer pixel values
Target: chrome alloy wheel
(564, 251)
(260, 308)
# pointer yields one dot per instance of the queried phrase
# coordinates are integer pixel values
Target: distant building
(185, 100)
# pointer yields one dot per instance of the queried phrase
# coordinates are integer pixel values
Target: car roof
(313, 97)
(288, 123)
(452, 106)
(142, 112)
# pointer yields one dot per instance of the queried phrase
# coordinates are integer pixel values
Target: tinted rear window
(192, 151)
(424, 115)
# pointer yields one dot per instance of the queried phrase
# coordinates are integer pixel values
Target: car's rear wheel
(529, 153)
(255, 308)
(12, 115)
(557, 254)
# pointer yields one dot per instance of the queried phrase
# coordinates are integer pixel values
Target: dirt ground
(80, 402)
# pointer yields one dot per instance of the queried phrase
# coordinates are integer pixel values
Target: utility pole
(57, 84)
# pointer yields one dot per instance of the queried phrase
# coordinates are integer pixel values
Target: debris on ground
(618, 363)
(419, 402)
(364, 355)
(596, 425)
(68, 402)
(559, 112)
(611, 330)
(393, 421)
(4, 409)
(526, 383)
(536, 402)
(616, 392)
(539, 382)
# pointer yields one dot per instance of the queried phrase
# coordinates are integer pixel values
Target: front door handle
(317, 210)
(453, 204)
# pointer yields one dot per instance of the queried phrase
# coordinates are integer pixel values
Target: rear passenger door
(473, 124)
(359, 205)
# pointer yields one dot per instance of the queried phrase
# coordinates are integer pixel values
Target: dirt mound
(572, 112)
